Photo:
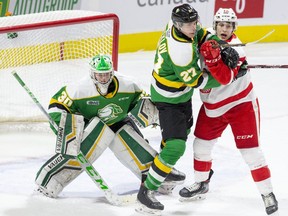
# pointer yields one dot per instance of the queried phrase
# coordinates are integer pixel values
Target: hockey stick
(267, 66)
(249, 43)
(112, 198)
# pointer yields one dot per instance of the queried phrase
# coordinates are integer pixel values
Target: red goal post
(49, 50)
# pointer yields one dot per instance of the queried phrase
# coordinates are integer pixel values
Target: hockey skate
(174, 178)
(147, 203)
(271, 204)
(196, 191)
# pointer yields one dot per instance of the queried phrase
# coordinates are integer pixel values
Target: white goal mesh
(48, 50)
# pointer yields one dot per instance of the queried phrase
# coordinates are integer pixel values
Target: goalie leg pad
(145, 113)
(132, 150)
(97, 136)
(69, 134)
(54, 175)
(60, 170)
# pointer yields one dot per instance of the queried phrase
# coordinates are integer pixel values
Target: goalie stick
(112, 198)
(267, 66)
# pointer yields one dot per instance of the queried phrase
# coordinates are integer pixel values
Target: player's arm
(204, 35)
(70, 125)
(138, 93)
(228, 56)
(60, 102)
(228, 59)
(207, 81)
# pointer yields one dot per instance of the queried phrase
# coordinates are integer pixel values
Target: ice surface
(232, 191)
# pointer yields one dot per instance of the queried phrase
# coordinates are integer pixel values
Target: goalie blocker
(69, 134)
(128, 146)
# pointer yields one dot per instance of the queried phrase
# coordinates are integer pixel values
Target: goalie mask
(225, 15)
(101, 72)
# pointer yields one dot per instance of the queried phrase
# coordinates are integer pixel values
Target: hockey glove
(213, 58)
(145, 113)
(230, 57)
(211, 52)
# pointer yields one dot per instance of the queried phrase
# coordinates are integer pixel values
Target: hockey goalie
(92, 115)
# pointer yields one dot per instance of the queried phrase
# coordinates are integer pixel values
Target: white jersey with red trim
(219, 100)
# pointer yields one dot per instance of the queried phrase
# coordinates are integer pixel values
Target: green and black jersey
(176, 71)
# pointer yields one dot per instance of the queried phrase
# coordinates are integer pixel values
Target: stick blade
(120, 200)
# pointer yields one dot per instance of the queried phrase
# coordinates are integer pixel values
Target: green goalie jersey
(176, 71)
(82, 98)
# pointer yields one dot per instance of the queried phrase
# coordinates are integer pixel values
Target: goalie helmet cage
(48, 50)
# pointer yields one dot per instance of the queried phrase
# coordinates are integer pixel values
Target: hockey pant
(127, 145)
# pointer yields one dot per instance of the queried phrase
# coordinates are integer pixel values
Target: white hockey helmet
(101, 64)
(225, 15)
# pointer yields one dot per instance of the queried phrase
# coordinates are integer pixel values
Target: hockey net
(48, 50)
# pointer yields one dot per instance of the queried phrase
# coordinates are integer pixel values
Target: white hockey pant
(60, 170)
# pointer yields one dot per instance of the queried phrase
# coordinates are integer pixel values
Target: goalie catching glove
(145, 113)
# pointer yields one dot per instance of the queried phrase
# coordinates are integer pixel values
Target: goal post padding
(49, 50)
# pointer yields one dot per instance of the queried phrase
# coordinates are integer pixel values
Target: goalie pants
(128, 146)
(244, 120)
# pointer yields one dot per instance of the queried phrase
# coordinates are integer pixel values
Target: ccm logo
(244, 137)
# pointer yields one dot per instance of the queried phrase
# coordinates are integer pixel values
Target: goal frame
(72, 21)
(21, 118)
